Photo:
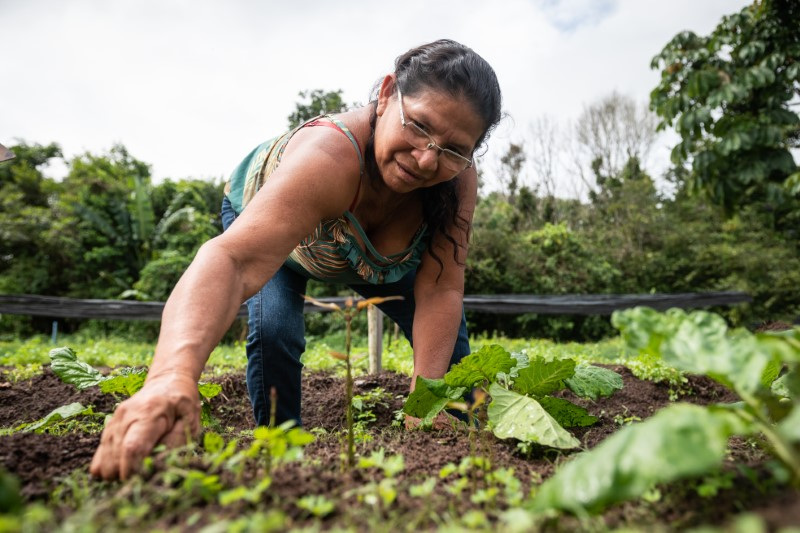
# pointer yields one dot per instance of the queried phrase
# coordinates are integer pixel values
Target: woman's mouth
(408, 175)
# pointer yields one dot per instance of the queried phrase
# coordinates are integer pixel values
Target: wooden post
(375, 334)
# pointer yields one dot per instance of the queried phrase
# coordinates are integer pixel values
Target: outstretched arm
(315, 181)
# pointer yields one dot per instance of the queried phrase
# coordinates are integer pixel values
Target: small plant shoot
(350, 309)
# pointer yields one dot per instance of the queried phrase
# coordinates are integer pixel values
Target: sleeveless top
(331, 252)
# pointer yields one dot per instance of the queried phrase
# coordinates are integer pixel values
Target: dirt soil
(41, 461)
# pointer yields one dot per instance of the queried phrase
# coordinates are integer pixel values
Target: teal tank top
(331, 252)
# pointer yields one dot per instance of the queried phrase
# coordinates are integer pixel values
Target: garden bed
(52, 468)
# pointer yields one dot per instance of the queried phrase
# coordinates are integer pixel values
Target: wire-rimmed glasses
(421, 140)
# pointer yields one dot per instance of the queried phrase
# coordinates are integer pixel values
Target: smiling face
(450, 121)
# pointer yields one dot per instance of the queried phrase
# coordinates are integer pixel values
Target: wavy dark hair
(455, 69)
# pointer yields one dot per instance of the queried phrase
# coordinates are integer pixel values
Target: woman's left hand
(443, 420)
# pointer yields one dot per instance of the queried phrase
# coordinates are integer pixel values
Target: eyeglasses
(421, 140)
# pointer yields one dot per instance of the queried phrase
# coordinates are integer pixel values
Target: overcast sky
(191, 86)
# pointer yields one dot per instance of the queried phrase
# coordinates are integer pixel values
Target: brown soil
(773, 326)
(41, 461)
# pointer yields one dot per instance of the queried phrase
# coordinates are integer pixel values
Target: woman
(391, 219)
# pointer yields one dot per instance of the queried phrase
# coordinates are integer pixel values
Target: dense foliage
(629, 239)
(730, 96)
(106, 231)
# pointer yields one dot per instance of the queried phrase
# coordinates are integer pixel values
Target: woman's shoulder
(342, 137)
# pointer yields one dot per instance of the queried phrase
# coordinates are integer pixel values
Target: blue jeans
(276, 334)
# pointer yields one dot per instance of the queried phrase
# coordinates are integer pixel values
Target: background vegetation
(725, 216)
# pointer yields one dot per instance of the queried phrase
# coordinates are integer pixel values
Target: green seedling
(274, 445)
(363, 404)
(317, 505)
(350, 309)
(391, 465)
(685, 440)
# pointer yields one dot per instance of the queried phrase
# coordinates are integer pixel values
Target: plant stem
(783, 450)
(273, 406)
(351, 454)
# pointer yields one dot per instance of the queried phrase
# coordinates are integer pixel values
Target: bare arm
(315, 181)
(439, 304)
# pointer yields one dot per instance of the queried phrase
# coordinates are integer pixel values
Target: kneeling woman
(380, 198)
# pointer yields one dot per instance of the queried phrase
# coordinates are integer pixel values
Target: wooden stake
(375, 333)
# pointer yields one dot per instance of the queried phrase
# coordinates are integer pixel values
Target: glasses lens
(419, 139)
(416, 137)
(453, 161)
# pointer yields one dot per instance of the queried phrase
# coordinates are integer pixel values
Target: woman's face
(451, 123)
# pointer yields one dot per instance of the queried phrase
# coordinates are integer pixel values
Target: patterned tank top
(332, 251)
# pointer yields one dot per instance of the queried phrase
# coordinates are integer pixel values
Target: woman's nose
(427, 159)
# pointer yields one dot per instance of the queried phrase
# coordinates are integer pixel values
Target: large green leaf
(771, 372)
(479, 366)
(541, 377)
(788, 385)
(128, 383)
(521, 417)
(594, 382)
(789, 427)
(67, 367)
(62, 413)
(700, 343)
(644, 329)
(567, 413)
(429, 397)
(679, 441)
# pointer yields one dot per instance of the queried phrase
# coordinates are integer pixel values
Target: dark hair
(451, 67)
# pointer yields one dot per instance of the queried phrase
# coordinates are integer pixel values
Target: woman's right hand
(165, 411)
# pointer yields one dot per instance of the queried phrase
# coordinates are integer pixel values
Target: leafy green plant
(65, 364)
(60, 414)
(364, 403)
(686, 440)
(523, 406)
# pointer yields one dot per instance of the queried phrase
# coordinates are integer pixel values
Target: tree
(319, 102)
(28, 254)
(544, 159)
(608, 134)
(730, 97)
(510, 174)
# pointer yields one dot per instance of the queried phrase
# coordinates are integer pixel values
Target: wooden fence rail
(591, 304)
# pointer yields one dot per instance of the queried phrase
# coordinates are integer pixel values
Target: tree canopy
(316, 102)
(732, 96)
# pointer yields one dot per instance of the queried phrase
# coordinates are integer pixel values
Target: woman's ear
(386, 92)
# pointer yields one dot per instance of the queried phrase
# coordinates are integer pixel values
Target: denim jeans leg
(402, 311)
(227, 214)
(275, 341)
